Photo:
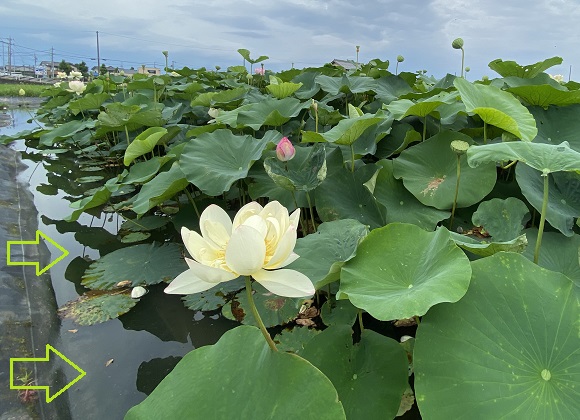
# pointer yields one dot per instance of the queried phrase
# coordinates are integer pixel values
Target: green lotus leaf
(390, 88)
(508, 348)
(558, 254)
(144, 224)
(543, 157)
(487, 246)
(65, 131)
(214, 161)
(150, 115)
(405, 107)
(401, 205)
(283, 90)
(374, 369)
(400, 271)
(563, 195)
(88, 102)
(295, 340)
(143, 143)
(497, 108)
(134, 237)
(239, 368)
(143, 265)
(100, 197)
(340, 312)
(246, 54)
(502, 219)
(345, 84)
(323, 253)
(304, 172)
(213, 298)
(95, 307)
(142, 172)
(397, 140)
(161, 188)
(309, 86)
(273, 309)
(557, 124)
(117, 115)
(546, 95)
(346, 132)
(273, 112)
(89, 179)
(261, 185)
(511, 68)
(342, 194)
(429, 172)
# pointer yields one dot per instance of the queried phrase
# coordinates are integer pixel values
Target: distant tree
(83, 68)
(64, 66)
(103, 69)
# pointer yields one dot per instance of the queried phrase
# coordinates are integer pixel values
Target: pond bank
(28, 318)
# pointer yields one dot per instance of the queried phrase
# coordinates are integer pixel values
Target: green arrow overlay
(39, 234)
(49, 349)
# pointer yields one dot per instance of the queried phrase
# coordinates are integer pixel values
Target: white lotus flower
(76, 74)
(76, 86)
(557, 77)
(258, 242)
(138, 291)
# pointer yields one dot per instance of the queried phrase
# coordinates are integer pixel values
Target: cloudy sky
(301, 32)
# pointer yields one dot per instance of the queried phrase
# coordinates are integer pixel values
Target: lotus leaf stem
(257, 315)
(424, 127)
(304, 231)
(311, 211)
(542, 219)
(484, 132)
(352, 158)
(360, 321)
(456, 192)
(192, 201)
(127, 135)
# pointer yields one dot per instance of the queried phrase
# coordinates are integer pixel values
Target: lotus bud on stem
(400, 59)
(458, 45)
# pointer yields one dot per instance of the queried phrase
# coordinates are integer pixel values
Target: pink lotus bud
(285, 151)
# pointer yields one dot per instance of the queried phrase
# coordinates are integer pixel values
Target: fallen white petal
(137, 292)
(246, 251)
(285, 282)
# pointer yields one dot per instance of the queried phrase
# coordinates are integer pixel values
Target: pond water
(124, 358)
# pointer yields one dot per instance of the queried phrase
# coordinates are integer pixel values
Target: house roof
(345, 64)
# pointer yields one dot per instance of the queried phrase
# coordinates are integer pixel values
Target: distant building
(345, 64)
(153, 71)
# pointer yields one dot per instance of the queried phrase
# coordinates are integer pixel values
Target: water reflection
(143, 344)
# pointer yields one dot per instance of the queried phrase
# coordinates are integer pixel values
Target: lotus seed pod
(165, 53)
(314, 105)
(459, 146)
(457, 43)
(400, 58)
(485, 78)
(467, 68)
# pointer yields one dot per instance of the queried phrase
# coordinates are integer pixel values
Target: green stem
(462, 60)
(542, 219)
(257, 315)
(484, 132)
(417, 320)
(127, 135)
(192, 201)
(352, 158)
(424, 127)
(304, 231)
(360, 321)
(311, 211)
(456, 192)
(316, 119)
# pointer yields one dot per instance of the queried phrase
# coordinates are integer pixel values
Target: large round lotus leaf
(295, 339)
(558, 253)
(241, 376)
(558, 124)
(401, 270)
(143, 265)
(546, 95)
(273, 309)
(502, 219)
(323, 253)
(370, 376)
(214, 298)
(401, 205)
(429, 172)
(498, 108)
(543, 157)
(214, 161)
(96, 307)
(342, 194)
(563, 195)
(508, 349)
(511, 68)
(303, 173)
(484, 247)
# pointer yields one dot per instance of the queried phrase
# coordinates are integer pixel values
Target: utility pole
(52, 62)
(9, 56)
(34, 69)
(98, 55)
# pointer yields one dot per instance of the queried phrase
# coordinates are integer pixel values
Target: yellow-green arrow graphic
(39, 234)
(49, 349)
